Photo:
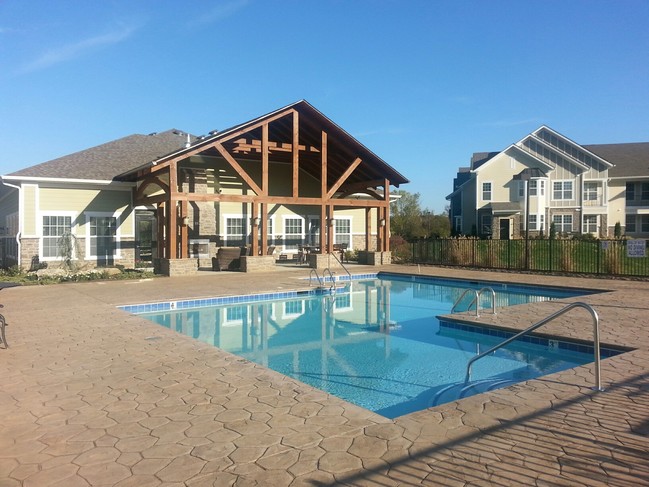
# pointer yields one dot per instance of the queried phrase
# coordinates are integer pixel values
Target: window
(644, 223)
(485, 225)
(536, 222)
(234, 231)
(630, 191)
(270, 226)
(293, 233)
(54, 227)
(458, 224)
(562, 223)
(589, 224)
(102, 236)
(630, 225)
(343, 233)
(293, 309)
(521, 189)
(644, 195)
(486, 191)
(562, 190)
(590, 191)
(537, 187)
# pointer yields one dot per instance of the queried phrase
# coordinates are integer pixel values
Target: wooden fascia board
(239, 170)
(344, 177)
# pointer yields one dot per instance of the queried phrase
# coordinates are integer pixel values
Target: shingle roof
(106, 161)
(630, 159)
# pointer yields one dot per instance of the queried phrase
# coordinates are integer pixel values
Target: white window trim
(351, 233)
(118, 246)
(583, 224)
(226, 235)
(283, 234)
(491, 191)
(293, 315)
(563, 215)
(39, 229)
(563, 181)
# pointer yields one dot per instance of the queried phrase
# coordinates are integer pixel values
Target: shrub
(401, 250)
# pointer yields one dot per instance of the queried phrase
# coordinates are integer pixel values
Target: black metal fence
(605, 257)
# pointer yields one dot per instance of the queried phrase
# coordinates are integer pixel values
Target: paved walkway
(90, 395)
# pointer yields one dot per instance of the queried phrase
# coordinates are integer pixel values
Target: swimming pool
(378, 342)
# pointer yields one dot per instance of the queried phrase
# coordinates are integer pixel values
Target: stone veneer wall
(29, 248)
(176, 267)
(374, 258)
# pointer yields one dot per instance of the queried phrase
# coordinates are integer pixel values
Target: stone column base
(374, 258)
(176, 267)
(257, 263)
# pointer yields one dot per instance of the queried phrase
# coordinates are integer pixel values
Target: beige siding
(83, 201)
(30, 205)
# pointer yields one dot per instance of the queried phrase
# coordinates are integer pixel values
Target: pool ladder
(476, 300)
(596, 351)
(321, 280)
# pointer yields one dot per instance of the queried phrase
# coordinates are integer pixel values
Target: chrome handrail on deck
(596, 351)
(343, 266)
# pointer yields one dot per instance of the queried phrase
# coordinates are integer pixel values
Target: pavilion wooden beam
(148, 181)
(239, 170)
(151, 200)
(362, 186)
(344, 177)
(296, 154)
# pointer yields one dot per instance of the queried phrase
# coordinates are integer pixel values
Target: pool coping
(80, 404)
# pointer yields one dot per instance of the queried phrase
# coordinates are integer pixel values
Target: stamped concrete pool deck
(90, 395)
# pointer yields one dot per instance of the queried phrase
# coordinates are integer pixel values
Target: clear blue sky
(424, 84)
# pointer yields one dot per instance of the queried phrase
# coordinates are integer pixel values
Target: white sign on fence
(636, 248)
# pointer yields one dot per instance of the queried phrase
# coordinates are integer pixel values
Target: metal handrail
(476, 299)
(315, 271)
(332, 289)
(596, 351)
(493, 298)
(343, 266)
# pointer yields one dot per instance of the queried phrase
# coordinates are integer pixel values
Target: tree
(406, 216)
(410, 221)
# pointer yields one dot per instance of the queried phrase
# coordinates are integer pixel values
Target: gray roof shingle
(108, 160)
(631, 160)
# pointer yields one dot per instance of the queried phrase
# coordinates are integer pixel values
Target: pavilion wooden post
(330, 226)
(386, 216)
(162, 239)
(264, 229)
(324, 223)
(368, 227)
(296, 154)
(184, 231)
(172, 213)
(255, 229)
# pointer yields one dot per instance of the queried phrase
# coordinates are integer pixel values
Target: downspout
(20, 218)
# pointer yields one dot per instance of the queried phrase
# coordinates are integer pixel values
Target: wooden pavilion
(292, 157)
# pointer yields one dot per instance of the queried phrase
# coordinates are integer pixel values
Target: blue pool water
(378, 343)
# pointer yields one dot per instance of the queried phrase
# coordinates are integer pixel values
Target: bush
(401, 250)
